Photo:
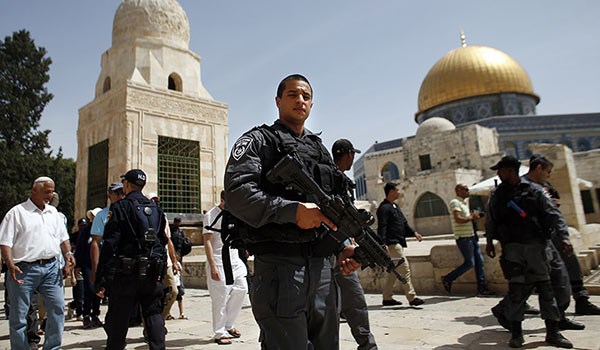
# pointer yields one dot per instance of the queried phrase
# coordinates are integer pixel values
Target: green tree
(24, 150)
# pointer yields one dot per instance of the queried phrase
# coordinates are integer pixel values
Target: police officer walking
(293, 295)
(132, 264)
(522, 218)
(354, 306)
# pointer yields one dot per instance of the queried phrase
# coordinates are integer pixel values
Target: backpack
(182, 244)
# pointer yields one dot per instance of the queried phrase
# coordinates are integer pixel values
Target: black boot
(584, 307)
(498, 312)
(566, 324)
(516, 339)
(553, 336)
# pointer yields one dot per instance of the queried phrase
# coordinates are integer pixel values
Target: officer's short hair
(281, 86)
(538, 159)
(388, 187)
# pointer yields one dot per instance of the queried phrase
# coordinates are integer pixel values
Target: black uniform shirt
(546, 214)
(252, 156)
(392, 225)
(119, 238)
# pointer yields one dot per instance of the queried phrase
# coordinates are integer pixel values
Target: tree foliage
(24, 150)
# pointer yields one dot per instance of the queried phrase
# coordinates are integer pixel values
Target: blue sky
(365, 59)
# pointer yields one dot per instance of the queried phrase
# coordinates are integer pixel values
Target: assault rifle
(351, 222)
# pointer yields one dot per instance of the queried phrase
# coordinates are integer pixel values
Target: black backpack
(182, 244)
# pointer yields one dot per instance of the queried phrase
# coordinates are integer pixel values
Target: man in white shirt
(32, 237)
(227, 300)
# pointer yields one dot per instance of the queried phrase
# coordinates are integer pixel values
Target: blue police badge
(240, 147)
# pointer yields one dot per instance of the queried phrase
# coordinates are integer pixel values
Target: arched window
(175, 82)
(390, 172)
(106, 85)
(430, 204)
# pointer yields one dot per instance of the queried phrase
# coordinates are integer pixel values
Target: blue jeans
(47, 280)
(469, 248)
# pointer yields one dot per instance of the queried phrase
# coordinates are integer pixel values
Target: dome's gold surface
(472, 71)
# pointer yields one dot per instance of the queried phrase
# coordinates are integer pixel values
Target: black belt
(40, 261)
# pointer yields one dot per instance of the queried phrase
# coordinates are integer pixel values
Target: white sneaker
(80, 318)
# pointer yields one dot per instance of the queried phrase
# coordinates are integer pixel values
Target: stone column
(564, 179)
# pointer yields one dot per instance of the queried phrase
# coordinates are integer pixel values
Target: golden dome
(472, 71)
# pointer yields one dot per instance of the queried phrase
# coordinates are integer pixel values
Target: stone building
(152, 112)
(475, 104)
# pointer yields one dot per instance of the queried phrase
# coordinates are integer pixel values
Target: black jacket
(392, 225)
(121, 239)
(270, 209)
(537, 221)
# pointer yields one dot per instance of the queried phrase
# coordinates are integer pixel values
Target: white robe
(227, 300)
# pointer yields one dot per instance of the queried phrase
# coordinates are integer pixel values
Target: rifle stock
(351, 222)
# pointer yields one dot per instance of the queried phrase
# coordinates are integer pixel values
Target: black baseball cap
(342, 146)
(135, 176)
(507, 162)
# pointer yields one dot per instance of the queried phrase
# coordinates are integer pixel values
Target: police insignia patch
(240, 147)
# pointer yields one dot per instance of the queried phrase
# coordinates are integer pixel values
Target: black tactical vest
(145, 240)
(316, 161)
(514, 225)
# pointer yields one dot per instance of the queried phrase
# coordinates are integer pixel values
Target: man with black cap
(132, 263)
(393, 229)
(354, 306)
(522, 218)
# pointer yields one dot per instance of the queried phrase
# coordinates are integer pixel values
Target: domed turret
(472, 71)
(434, 126)
(151, 19)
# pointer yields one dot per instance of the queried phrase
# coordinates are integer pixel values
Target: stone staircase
(589, 260)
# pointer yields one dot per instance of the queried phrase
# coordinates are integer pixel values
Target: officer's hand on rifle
(346, 262)
(308, 215)
(100, 293)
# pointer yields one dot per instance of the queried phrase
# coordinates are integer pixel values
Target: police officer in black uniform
(560, 245)
(293, 295)
(133, 263)
(354, 306)
(523, 219)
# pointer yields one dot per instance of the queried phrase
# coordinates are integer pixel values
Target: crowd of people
(128, 255)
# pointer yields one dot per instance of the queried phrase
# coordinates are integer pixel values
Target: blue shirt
(99, 222)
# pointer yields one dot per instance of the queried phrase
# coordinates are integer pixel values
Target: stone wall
(588, 168)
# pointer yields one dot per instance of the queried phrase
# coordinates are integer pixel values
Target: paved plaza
(444, 322)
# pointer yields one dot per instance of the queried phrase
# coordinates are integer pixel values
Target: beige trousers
(397, 251)
(172, 296)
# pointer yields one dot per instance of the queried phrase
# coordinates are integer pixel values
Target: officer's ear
(277, 101)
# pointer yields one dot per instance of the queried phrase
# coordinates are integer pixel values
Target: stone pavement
(444, 322)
